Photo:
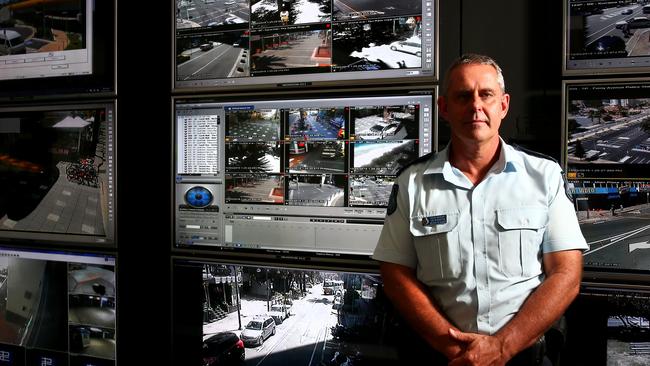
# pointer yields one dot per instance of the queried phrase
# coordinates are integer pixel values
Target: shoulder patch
(533, 153)
(392, 201)
(567, 188)
(415, 161)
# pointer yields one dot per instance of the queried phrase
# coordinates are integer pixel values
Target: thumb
(460, 336)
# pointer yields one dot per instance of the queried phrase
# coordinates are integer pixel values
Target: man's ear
(442, 106)
(505, 105)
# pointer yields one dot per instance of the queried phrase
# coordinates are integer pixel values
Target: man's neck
(474, 159)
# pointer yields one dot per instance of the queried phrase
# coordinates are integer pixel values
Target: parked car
(223, 349)
(285, 309)
(278, 316)
(636, 22)
(413, 48)
(257, 330)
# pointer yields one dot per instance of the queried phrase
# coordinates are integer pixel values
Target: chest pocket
(437, 245)
(521, 231)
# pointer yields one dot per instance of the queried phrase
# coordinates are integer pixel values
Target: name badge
(434, 220)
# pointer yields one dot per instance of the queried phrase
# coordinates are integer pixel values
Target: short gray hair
(474, 59)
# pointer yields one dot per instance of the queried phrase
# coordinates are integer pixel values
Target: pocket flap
(522, 218)
(435, 223)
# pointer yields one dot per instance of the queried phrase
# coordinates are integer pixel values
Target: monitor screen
(251, 314)
(57, 308)
(309, 175)
(607, 36)
(56, 47)
(237, 43)
(607, 127)
(58, 176)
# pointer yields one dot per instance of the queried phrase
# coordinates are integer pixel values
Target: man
(481, 248)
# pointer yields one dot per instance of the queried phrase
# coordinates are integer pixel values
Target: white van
(11, 42)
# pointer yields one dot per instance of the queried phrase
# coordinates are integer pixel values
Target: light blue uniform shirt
(479, 248)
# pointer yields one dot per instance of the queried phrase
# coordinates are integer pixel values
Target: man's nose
(477, 103)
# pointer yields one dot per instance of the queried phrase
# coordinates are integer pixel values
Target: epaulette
(567, 186)
(534, 153)
(418, 160)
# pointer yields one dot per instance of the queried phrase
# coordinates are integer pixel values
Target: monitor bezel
(109, 241)
(286, 255)
(371, 79)
(62, 87)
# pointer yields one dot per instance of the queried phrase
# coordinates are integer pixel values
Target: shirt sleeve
(396, 242)
(563, 231)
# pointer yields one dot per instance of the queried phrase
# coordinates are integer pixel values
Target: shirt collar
(508, 160)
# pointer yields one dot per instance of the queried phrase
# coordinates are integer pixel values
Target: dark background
(525, 37)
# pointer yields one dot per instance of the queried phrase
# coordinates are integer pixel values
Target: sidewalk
(250, 308)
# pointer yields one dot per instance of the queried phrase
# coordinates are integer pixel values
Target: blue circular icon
(198, 197)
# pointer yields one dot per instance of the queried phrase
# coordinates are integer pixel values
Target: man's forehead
(473, 76)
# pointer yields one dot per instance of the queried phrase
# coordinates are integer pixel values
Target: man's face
(474, 105)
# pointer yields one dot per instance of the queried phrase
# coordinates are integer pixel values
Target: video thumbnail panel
(364, 9)
(254, 188)
(317, 157)
(248, 124)
(56, 181)
(39, 320)
(317, 123)
(385, 122)
(628, 339)
(322, 190)
(211, 13)
(254, 157)
(212, 55)
(272, 13)
(607, 36)
(377, 44)
(316, 316)
(382, 157)
(291, 50)
(370, 190)
(608, 170)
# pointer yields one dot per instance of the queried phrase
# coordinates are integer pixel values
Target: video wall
(308, 175)
(58, 177)
(263, 43)
(242, 313)
(57, 308)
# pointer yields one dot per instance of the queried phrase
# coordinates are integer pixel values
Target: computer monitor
(50, 49)
(607, 152)
(225, 313)
(294, 43)
(295, 174)
(58, 173)
(57, 308)
(606, 37)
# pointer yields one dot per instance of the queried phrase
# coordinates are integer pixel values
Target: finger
(460, 336)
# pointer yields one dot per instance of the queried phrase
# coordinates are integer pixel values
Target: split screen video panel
(305, 174)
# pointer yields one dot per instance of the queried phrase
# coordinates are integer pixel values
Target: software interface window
(234, 42)
(45, 38)
(309, 175)
(57, 308)
(57, 173)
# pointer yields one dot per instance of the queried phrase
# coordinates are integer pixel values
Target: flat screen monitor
(58, 177)
(607, 36)
(54, 48)
(251, 314)
(607, 149)
(269, 43)
(311, 175)
(57, 308)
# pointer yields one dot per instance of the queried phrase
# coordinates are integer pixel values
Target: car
(646, 9)
(413, 48)
(284, 309)
(638, 22)
(224, 348)
(206, 46)
(11, 42)
(278, 316)
(257, 330)
(627, 12)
